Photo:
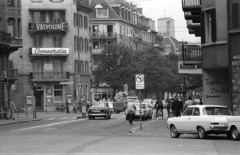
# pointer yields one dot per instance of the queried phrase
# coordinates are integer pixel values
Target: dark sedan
(101, 110)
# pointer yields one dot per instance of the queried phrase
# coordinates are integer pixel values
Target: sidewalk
(24, 118)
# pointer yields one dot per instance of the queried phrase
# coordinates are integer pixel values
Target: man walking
(131, 108)
(159, 109)
(12, 108)
(176, 107)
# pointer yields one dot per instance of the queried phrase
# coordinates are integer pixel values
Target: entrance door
(39, 100)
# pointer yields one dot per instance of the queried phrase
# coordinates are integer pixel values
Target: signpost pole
(140, 111)
(139, 78)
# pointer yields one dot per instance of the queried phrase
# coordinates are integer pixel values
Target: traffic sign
(83, 98)
(3, 80)
(139, 78)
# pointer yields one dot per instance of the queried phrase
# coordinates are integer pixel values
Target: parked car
(148, 105)
(201, 120)
(234, 127)
(142, 113)
(101, 110)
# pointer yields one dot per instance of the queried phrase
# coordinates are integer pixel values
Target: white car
(234, 127)
(202, 120)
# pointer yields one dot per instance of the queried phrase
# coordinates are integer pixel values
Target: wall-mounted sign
(189, 68)
(29, 100)
(50, 51)
(48, 27)
(48, 67)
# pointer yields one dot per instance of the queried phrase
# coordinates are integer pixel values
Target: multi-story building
(56, 56)
(10, 41)
(118, 22)
(218, 24)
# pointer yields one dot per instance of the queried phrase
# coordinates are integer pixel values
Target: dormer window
(101, 12)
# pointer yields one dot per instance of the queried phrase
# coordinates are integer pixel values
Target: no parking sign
(139, 78)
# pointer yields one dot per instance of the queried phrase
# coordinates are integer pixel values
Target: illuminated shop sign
(48, 26)
(50, 51)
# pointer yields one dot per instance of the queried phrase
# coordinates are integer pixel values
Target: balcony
(191, 5)
(49, 76)
(16, 43)
(10, 74)
(105, 35)
(192, 53)
(5, 38)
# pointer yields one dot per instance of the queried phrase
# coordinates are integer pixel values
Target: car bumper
(97, 115)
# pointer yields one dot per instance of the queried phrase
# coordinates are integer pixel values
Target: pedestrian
(67, 106)
(168, 106)
(201, 102)
(12, 108)
(159, 109)
(188, 103)
(176, 107)
(131, 108)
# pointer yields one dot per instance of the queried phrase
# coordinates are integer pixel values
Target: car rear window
(216, 111)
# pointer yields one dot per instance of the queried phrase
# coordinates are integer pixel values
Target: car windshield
(216, 111)
(138, 106)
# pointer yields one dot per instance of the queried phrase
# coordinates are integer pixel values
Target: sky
(156, 9)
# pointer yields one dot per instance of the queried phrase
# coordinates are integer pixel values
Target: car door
(182, 123)
(194, 120)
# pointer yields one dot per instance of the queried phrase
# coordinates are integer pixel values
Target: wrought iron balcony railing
(16, 42)
(104, 35)
(9, 73)
(192, 53)
(50, 75)
(5, 38)
(191, 2)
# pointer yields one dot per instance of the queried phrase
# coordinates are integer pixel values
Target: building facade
(218, 24)
(56, 56)
(10, 41)
(166, 27)
(118, 22)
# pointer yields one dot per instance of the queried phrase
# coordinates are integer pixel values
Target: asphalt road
(68, 135)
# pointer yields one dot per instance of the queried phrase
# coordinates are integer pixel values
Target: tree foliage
(119, 65)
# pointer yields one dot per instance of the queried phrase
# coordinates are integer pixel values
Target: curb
(25, 121)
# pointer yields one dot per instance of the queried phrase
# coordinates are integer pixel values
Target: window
(37, 1)
(101, 13)
(95, 44)
(10, 3)
(210, 29)
(57, 17)
(82, 67)
(11, 26)
(85, 22)
(58, 93)
(82, 44)
(86, 67)
(81, 21)
(196, 112)
(39, 17)
(75, 19)
(86, 45)
(75, 43)
(57, 41)
(235, 16)
(188, 112)
(37, 41)
(56, 1)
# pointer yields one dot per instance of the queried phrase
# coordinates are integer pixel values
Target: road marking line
(138, 127)
(63, 118)
(49, 129)
(41, 126)
(51, 119)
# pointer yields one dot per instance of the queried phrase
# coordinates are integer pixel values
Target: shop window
(37, 39)
(58, 93)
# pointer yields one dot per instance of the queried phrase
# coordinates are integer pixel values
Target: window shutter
(235, 16)
(214, 28)
(202, 27)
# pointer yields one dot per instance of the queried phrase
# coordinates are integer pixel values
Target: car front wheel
(202, 133)
(173, 132)
(234, 133)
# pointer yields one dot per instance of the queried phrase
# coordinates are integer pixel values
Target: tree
(116, 67)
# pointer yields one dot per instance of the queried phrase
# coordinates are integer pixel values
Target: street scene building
(10, 41)
(217, 22)
(119, 22)
(56, 57)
